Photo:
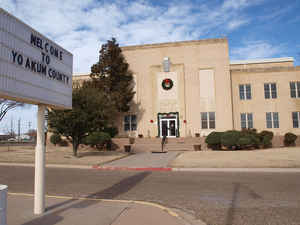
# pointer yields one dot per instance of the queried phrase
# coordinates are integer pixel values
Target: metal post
(3, 203)
(39, 182)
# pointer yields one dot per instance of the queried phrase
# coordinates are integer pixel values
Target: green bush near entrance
(230, 139)
(55, 139)
(98, 140)
(289, 139)
(265, 138)
(239, 140)
(213, 140)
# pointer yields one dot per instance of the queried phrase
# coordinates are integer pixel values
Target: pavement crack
(123, 210)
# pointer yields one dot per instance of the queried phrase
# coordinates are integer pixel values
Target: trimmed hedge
(290, 139)
(238, 140)
(230, 139)
(98, 140)
(265, 138)
(213, 140)
(55, 139)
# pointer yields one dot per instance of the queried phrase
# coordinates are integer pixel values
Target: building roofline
(175, 44)
(266, 70)
(259, 61)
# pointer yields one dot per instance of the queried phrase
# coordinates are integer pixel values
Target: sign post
(40, 149)
(34, 70)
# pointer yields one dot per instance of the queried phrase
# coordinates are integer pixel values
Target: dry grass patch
(59, 155)
(269, 158)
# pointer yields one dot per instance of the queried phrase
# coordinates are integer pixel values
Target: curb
(132, 168)
(247, 170)
(48, 165)
(165, 169)
(166, 209)
(184, 217)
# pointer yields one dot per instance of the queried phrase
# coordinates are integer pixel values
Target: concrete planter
(3, 203)
(197, 147)
(127, 148)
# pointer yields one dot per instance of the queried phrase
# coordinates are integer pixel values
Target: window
(295, 116)
(245, 91)
(295, 89)
(130, 122)
(272, 119)
(246, 120)
(270, 90)
(208, 120)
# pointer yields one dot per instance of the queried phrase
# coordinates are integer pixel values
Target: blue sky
(254, 28)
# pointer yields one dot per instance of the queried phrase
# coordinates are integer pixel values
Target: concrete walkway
(66, 211)
(144, 160)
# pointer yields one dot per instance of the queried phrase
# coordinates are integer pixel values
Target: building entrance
(168, 125)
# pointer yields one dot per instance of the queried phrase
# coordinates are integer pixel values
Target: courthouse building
(192, 87)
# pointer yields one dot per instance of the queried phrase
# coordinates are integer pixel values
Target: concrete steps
(154, 144)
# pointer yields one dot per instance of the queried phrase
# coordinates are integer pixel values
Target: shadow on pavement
(51, 218)
(236, 191)
(231, 210)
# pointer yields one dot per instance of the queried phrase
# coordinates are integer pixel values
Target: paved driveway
(144, 160)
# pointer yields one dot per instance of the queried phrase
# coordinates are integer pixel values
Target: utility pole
(29, 125)
(19, 129)
(11, 126)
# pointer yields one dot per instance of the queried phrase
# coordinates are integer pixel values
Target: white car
(11, 139)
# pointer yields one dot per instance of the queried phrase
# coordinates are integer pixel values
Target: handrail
(163, 142)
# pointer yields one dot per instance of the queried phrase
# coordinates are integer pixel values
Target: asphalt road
(216, 198)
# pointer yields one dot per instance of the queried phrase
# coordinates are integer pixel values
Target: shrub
(245, 142)
(253, 137)
(265, 138)
(131, 140)
(55, 139)
(112, 131)
(98, 140)
(213, 140)
(289, 139)
(63, 143)
(230, 139)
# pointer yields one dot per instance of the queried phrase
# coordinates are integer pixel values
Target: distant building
(189, 87)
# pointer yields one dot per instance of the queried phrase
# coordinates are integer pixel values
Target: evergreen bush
(63, 143)
(245, 142)
(289, 139)
(98, 140)
(253, 137)
(213, 140)
(265, 138)
(55, 139)
(230, 139)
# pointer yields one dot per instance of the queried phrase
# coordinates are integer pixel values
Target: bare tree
(6, 105)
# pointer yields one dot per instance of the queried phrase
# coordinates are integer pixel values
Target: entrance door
(168, 127)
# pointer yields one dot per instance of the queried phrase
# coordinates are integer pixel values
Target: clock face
(167, 84)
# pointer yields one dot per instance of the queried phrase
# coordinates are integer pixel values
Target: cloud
(256, 49)
(234, 24)
(82, 26)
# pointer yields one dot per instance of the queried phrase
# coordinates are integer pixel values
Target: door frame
(168, 124)
(168, 116)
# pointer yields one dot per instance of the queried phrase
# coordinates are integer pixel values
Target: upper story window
(130, 123)
(296, 117)
(270, 90)
(208, 120)
(295, 89)
(272, 119)
(246, 120)
(166, 64)
(245, 91)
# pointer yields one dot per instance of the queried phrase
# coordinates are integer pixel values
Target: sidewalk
(67, 211)
(144, 160)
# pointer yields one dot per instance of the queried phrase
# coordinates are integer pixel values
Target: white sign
(33, 69)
